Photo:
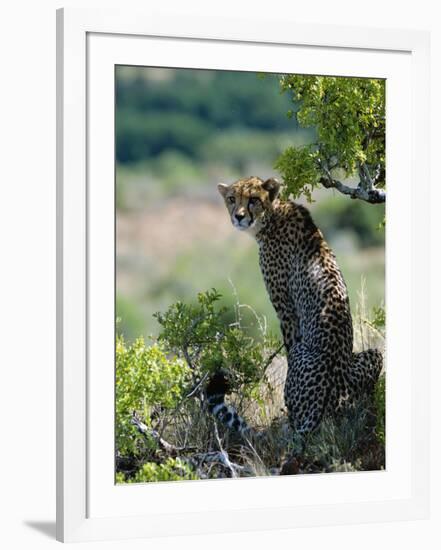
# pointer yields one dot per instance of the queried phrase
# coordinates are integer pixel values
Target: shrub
(199, 334)
(164, 384)
(173, 469)
(146, 378)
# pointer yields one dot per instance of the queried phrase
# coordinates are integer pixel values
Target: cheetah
(309, 295)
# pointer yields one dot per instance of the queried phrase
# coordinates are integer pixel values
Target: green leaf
(348, 115)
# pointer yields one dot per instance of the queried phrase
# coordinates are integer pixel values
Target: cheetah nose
(239, 217)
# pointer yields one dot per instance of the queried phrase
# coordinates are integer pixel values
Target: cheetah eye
(231, 200)
(253, 201)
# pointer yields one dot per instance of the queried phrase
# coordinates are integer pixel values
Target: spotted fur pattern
(217, 387)
(310, 297)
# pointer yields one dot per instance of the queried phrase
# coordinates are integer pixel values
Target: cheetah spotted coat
(310, 297)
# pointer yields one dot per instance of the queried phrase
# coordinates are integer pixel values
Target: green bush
(146, 378)
(195, 342)
(173, 469)
(198, 332)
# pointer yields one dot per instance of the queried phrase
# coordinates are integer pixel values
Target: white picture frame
(89, 505)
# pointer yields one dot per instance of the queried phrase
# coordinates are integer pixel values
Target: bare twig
(145, 430)
(253, 450)
(273, 356)
(238, 306)
(374, 328)
(220, 457)
(185, 345)
(194, 389)
(191, 394)
(223, 455)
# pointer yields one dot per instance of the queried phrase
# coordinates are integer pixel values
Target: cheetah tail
(227, 415)
(368, 366)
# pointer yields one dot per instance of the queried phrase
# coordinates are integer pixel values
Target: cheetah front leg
(307, 392)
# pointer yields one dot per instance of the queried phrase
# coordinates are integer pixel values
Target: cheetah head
(248, 200)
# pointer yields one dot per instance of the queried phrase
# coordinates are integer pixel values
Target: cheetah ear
(272, 186)
(222, 188)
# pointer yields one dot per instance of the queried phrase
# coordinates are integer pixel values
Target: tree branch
(365, 189)
(374, 195)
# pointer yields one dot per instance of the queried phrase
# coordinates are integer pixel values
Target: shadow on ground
(47, 528)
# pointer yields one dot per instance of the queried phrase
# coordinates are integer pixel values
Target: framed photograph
(242, 275)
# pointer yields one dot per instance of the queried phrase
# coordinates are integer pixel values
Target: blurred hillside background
(178, 133)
